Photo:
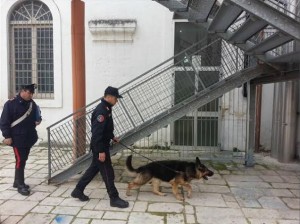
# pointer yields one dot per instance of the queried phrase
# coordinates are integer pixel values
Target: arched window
(31, 48)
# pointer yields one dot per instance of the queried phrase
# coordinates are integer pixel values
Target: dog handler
(102, 133)
(19, 118)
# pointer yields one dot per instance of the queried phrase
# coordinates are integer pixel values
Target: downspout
(78, 77)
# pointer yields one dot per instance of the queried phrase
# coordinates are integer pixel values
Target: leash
(175, 171)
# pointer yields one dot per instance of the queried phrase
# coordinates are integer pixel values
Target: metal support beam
(294, 75)
(247, 30)
(225, 16)
(250, 141)
(293, 57)
(270, 43)
(271, 15)
(197, 11)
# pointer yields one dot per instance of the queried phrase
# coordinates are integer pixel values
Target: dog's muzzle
(207, 174)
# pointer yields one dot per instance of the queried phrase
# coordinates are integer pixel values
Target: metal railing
(155, 92)
(288, 7)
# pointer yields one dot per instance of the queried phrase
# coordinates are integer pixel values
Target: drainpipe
(258, 116)
(78, 77)
(289, 125)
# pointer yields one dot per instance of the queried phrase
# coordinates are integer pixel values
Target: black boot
(118, 202)
(22, 189)
(76, 193)
(16, 181)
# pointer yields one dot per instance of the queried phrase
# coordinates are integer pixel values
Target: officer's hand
(7, 141)
(102, 156)
(115, 139)
(37, 123)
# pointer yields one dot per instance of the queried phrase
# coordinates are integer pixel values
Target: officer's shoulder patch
(100, 118)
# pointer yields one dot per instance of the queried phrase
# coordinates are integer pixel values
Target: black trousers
(21, 155)
(106, 171)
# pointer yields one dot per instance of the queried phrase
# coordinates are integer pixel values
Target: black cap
(112, 91)
(30, 87)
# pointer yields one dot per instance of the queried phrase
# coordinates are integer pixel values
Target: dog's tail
(129, 165)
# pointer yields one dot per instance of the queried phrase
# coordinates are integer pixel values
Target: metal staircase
(263, 29)
(266, 29)
(152, 101)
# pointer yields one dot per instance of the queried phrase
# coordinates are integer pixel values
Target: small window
(31, 48)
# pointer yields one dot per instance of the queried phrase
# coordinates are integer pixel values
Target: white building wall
(115, 63)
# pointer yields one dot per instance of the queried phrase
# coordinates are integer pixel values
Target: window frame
(34, 24)
(60, 35)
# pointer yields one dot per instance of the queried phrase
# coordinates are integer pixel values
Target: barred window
(31, 48)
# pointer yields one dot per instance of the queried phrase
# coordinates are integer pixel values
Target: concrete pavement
(268, 193)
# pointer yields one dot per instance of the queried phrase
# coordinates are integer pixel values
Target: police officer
(19, 118)
(102, 134)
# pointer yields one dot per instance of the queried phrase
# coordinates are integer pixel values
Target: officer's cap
(30, 87)
(112, 91)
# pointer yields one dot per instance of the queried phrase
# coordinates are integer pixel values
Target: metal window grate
(31, 48)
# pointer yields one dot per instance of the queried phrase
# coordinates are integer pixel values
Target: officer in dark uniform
(102, 134)
(19, 118)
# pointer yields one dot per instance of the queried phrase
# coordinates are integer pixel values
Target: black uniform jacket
(24, 133)
(102, 127)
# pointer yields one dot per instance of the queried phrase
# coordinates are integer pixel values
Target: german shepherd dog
(173, 171)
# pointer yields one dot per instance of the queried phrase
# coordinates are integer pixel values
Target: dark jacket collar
(107, 104)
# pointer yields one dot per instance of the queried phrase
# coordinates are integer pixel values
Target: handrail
(129, 82)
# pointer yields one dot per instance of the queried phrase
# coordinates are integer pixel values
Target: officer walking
(19, 118)
(102, 133)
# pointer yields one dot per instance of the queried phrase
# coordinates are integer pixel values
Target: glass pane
(184, 85)
(27, 10)
(45, 60)
(23, 56)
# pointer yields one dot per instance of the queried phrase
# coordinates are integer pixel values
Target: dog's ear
(198, 160)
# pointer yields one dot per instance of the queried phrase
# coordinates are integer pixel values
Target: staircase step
(225, 16)
(293, 57)
(272, 16)
(198, 11)
(269, 43)
(173, 5)
(247, 30)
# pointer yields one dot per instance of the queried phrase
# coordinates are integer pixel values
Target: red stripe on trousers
(18, 157)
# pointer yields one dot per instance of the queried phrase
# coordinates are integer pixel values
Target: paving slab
(293, 203)
(206, 199)
(165, 207)
(90, 214)
(175, 219)
(272, 203)
(35, 218)
(209, 215)
(65, 210)
(141, 217)
(65, 219)
(12, 207)
(116, 215)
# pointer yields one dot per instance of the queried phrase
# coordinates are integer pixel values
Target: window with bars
(31, 48)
